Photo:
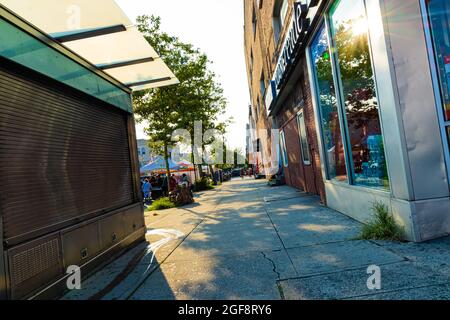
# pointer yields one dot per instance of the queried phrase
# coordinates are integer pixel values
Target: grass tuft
(161, 204)
(203, 184)
(382, 226)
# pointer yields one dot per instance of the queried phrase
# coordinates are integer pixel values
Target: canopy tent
(185, 164)
(100, 32)
(159, 164)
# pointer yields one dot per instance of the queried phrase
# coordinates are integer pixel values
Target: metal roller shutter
(64, 158)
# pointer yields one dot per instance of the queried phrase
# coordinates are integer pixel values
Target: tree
(198, 97)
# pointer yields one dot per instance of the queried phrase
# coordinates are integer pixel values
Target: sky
(216, 28)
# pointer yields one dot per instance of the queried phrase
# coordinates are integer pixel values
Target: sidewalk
(249, 241)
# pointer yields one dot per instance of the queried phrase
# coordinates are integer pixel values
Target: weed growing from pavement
(382, 226)
(161, 204)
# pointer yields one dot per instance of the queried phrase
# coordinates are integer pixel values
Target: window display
(284, 155)
(439, 15)
(359, 97)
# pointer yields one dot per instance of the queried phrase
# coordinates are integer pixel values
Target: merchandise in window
(439, 15)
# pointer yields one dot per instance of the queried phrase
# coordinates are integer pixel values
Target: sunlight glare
(360, 26)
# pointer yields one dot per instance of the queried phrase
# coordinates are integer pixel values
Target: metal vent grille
(32, 262)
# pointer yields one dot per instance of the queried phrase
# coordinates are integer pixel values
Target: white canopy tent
(100, 32)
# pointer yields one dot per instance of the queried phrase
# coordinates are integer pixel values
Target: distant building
(144, 152)
(254, 153)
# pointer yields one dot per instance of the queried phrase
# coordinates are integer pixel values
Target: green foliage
(161, 204)
(382, 226)
(237, 155)
(203, 185)
(198, 97)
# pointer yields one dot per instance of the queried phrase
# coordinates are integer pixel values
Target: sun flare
(360, 26)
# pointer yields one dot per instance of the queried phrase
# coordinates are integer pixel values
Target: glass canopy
(100, 32)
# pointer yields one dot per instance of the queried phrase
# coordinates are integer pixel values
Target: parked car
(236, 173)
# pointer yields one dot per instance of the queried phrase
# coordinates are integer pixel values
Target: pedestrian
(164, 185)
(147, 190)
(186, 180)
(173, 183)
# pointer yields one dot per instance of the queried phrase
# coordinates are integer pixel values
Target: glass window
(327, 103)
(279, 16)
(448, 134)
(262, 85)
(439, 15)
(303, 138)
(251, 63)
(350, 34)
(283, 11)
(254, 22)
(284, 155)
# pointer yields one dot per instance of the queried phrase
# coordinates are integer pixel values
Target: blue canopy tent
(159, 164)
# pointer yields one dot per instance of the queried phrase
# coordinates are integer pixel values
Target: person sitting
(185, 180)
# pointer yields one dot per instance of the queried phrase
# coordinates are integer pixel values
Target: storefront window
(448, 135)
(350, 34)
(326, 96)
(439, 15)
(284, 155)
(303, 138)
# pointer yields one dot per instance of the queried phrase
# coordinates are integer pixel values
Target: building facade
(258, 70)
(373, 77)
(144, 152)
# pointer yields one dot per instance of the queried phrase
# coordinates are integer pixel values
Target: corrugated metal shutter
(63, 158)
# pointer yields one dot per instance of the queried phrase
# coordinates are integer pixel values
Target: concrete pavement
(246, 240)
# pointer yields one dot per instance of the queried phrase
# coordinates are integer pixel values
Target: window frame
(443, 124)
(303, 134)
(324, 23)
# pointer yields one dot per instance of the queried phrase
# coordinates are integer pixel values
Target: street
(245, 240)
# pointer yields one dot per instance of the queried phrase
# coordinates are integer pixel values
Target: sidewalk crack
(273, 264)
(279, 287)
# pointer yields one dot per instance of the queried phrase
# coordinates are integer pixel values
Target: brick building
(360, 93)
(266, 27)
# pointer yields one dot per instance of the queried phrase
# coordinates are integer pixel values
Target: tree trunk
(193, 163)
(213, 173)
(166, 159)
